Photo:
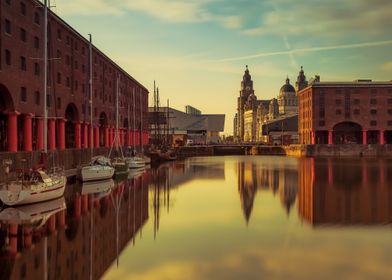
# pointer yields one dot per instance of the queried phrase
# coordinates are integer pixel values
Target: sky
(196, 50)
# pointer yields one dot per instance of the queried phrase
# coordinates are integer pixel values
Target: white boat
(37, 187)
(136, 162)
(100, 168)
(37, 213)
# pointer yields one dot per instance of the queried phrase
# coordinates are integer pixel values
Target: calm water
(214, 218)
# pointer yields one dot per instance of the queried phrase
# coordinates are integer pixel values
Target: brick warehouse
(21, 86)
(358, 112)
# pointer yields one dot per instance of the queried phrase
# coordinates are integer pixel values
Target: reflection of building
(344, 192)
(72, 240)
(22, 92)
(247, 187)
(346, 112)
(180, 127)
(254, 117)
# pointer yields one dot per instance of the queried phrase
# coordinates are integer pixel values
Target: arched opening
(388, 137)
(72, 116)
(6, 104)
(347, 133)
(103, 123)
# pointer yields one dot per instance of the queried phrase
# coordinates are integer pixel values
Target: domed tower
(245, 92)
(301, 80)
(287, 99)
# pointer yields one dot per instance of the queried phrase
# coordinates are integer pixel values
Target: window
(373, 123)
(67, 59)
(76, 46)
(8, 2)
(338, 101)
(389, 123)
(36, 18)
(36, 42)
(23, 34)
(338, 91)
(82, 68)
(58, 77)
(68, 82)
(389, 100)
(23, 94)
(59, 34)
(36, 69)
(356, 101)
(23, 271)
(23, 8)
(58, 103)
(37, 97)
(58, 54)
(8, 57)
(373, 101)
(68, 40)
(23, 65)
(373, 112)
(338, 112)
(389, 90)
(356, 111)
(7, 26)
(83, 50)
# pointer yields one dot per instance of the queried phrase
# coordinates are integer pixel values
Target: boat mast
(91, 95)
(45, 75)
(141, 122)
(167, 124)
(134, 121)
(155, 114)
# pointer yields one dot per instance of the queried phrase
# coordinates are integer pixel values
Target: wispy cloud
(311, 49)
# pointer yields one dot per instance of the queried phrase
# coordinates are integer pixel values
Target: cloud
(311, 49)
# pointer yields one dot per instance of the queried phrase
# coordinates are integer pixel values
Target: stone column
(330, 137)
(12, 132)
(364, 137)
(52, 134)
(28, 136)
(61, 129)
(382, 137)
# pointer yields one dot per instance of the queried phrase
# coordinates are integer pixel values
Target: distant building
(192, 110)
(358, 112)
(178, 128)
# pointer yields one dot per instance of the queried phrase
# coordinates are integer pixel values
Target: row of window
(372, 101)
(22, 63)
(355, 91)
(355, 111)
(371, 123)
(23, 11)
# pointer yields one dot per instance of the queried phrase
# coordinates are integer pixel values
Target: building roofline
(58, 18)
(357, 83)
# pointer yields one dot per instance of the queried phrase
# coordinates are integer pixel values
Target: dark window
(68, 60)
(23, 35)
(356, 101)
(58, 103)
(8, 57)
(373, 101)
(389, 90)
(95, 112)
(338, 101)
(36, 42)
(36, 69)
(76, 46)
(83, 88)
(373, 123)
(68, 82)
(373, 112)
(23, 63)
(356, 111)
(59, 34)
(338, 112)
(8, 2)
(37, 97)
(7, 26)
(83, 50)
(23, 94)
(389, 123)
(389, 111)
(36, 262)
(389, 100)
(82, 68)
(68, 40)
(356, 91)
(36, 18)
(23, 8)
(58, 77)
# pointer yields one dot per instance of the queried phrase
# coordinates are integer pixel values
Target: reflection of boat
(100, 168)
(36, 214)
(100, 188)
(135, 173)
(36, 187)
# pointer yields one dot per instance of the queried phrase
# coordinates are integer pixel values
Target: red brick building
(358, 112)
(22, 79)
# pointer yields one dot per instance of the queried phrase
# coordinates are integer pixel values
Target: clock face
(247, 88)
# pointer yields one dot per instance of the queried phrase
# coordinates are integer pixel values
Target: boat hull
(95, 173)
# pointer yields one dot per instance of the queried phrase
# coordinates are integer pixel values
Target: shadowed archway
(6, 105)
(72, 116)
(347, 133)
(103, 123)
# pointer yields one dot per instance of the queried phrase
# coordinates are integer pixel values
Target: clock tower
(246, 90)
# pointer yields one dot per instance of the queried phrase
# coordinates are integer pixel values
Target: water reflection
(79, 241)
(345, 192)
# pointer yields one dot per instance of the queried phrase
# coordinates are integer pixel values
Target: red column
(61, 130)
(113, 134)
(84, 203)
(77, 206)
(382, 138)
(51, 134)
(52, 224)
(61, 219)
(330, 139)
(91, 136)
(313, 138)
(78, 135)
(364, 137)
(96, 137)
(28, 136)
(107, 143)
(40, 134)
(12, 132)
(85, 135)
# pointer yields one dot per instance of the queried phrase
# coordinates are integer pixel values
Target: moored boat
(100, 168)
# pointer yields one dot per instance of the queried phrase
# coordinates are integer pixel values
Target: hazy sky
(197, 50)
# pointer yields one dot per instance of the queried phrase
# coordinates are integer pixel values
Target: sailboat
(147, 160)
(100, 168)
(134, 161)
(37, 185)
(119, 163)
